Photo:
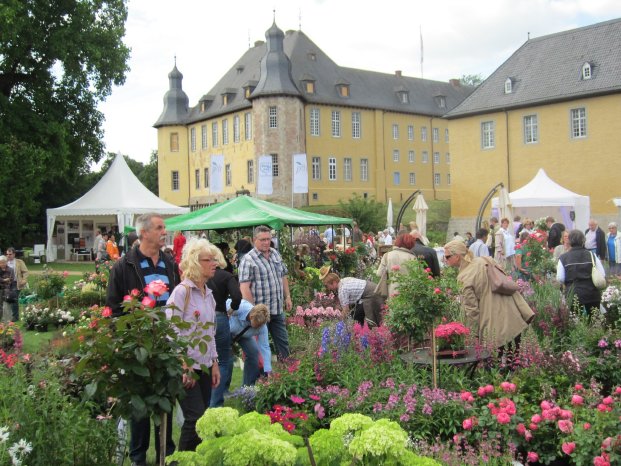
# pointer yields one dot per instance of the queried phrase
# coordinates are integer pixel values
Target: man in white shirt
(387, 238)
(479, 247)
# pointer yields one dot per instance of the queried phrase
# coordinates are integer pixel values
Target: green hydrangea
(257, 448)
(188, 458)
(217, 422)
(211, 449)
(253, 420)
(327, 447)
(383, 439)
(352, 422)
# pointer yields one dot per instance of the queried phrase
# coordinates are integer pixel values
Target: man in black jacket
(595, 239)
(555, 232)
(426, 253)
(140, 266)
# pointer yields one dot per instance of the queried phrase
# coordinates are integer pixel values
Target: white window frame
(508, 86)
(412, 178)
(578, 120)
(236, 124)
(315, 116)
(248, 126)
(197, 179)
(411, 156)
(355, 125)
(364, 169)
(228, 177)
(225, 131)
(446, 135)
(273, 117)
(531, 129)
(316, 168)
(336, 124)
(332, 169)
(347, 169)
(396, 155)
(206, 176)
(425, 157)
(193, 139)
(174, 180)
(410, 132)
(275, 167)
(214, 134)
(448, 179)
(587, 72)
(395, 131)
(488, 135)
(203, 136)
(447, 158)
(435, 134)
(437, 179)
(423, 133)
(436, 158)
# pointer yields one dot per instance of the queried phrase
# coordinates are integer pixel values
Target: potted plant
(451, 339)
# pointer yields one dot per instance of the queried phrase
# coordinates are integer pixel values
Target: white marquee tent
(542, 197)
(114, 200)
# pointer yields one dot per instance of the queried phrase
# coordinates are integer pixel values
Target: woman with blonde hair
(193, 301)
(496, 318)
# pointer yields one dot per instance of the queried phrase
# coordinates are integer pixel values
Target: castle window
(343, 90)
(586, 71)
(508, 86)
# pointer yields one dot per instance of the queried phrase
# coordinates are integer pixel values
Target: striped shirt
(265, 275)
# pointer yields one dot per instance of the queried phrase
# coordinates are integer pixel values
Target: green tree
(58, 60)
(370, 214)
(471, 79)
(148, 176)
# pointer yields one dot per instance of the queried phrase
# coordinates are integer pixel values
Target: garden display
(347, 395)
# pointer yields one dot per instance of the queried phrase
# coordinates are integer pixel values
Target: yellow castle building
(554, 104)
(367, 133)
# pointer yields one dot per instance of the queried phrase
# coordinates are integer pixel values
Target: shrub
(49, 284)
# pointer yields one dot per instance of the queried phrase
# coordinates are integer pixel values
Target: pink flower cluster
(451, 329)
(314, 316)
(503, 410)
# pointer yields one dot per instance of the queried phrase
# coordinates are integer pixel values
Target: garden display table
(470, 359)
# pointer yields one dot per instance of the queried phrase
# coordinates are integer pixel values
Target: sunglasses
(448, 257)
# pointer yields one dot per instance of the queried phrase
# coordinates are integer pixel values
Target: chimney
(398, 73)
(259, 42)
(455, 82)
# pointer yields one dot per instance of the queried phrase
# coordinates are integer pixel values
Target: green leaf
(91, 389)
(141, 354)
(202, 347)
(164, 403)
(138, 405)
(140, 370)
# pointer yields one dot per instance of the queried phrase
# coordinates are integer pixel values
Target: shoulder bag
(596, 276)
(499, 281)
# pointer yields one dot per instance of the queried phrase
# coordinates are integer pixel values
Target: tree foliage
(58, 60)
(370, 214)
(471, 79)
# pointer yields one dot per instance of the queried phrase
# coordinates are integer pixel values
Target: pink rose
(531, 457)
(467, 397)
(467, 424)
(578, 387)
(577, 400)
(521, 428)
(65, 274)
(568, 447)
(156, 288)
(481, 391)
(135, 292)
(508, 387)
(503, 418)
(489, 389)
(319, 411)
(601, 461)
(107, 312)
(148, 302)
(546, 405)
(437, 291)
(127, 298)
(533, 426)
(566, 414)
(565, 426)
(608, 400)
(528, 436)
(536, 418)
(586, 426)
(602, 408)
(618, 391)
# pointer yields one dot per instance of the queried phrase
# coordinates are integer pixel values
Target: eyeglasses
(448, 257)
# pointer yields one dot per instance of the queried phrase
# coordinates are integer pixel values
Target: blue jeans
(194, 405)
(223, 347)
(251, 362)
(141, 435)
(278, 330)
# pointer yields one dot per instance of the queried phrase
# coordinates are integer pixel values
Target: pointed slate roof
(176, 102)
(368, 89)
(118, 191)
(548, 69)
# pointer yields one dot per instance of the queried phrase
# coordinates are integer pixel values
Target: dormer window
(343, 90)
(239, 69)
(205, 101)
(403, 96)
(312, 56)
(249, 88)
(203, 106)
(587, 71)
(310, 87)
(508, 86)
(440, 101)
(225, 99)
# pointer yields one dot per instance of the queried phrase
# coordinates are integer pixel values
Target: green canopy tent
(246, 211)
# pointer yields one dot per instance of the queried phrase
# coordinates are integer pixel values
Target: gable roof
(548, 69)
(117, 192)
(368, 89)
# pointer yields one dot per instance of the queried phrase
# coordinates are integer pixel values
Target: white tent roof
(118, 192)
(542, 196)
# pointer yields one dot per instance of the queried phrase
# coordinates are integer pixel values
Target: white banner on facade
(216, 177)
(300, 173)
(264, 183)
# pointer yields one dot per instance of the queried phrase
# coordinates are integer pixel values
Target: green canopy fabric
(246, 211)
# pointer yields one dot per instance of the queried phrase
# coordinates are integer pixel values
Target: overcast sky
(209, 36)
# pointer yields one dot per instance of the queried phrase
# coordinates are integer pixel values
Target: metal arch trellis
(486, 200)
(405, 206)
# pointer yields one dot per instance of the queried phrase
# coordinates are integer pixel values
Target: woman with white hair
(496, 318)
(613, 249)
(194, 302)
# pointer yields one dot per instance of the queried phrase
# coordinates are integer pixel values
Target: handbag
(499, 281)
(596, 276)
(12, 294)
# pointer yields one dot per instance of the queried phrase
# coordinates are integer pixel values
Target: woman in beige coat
(495, 318)
(393, 262)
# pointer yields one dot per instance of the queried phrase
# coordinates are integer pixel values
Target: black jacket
(224, 285)
(127, 275)
(578, 267)
(429, 255)
(555, 234)
(600, 240)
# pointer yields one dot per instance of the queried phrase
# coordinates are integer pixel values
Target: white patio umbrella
(389, 215)
(421, 207)
(504, 204)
